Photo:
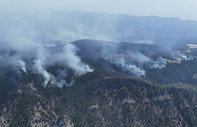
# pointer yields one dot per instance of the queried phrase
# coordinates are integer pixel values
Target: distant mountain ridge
(114, 27)
(79, 69)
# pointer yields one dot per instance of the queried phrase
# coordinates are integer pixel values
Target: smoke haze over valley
(37, 41)
(93, 63)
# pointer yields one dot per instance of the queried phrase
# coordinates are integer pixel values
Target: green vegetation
(184, 73)
(99, 99)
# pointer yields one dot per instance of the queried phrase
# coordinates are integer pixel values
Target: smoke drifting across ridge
(35, 41)
(39, 58)
(131, 60)
(27, 44)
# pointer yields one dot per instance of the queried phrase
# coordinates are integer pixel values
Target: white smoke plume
(128, 67)
(38, 66)
(159, 63)
(21, 65)
(133, 69)
(67, 57)
(131, 61)
(30, 41)
(73, 61)
(40, 40)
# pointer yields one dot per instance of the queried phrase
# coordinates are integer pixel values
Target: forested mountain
(79, 69)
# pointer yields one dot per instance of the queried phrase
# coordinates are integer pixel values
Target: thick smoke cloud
(133, 69)
(37, 41)
(39, 60)
(130, 61)
(73, 61)
(28, 42)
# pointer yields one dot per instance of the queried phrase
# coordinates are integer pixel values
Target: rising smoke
(36, 41)
(26, 42)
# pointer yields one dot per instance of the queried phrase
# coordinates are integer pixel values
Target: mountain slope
(100, 99)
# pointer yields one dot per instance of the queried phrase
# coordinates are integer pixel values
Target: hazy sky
(185, 9)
